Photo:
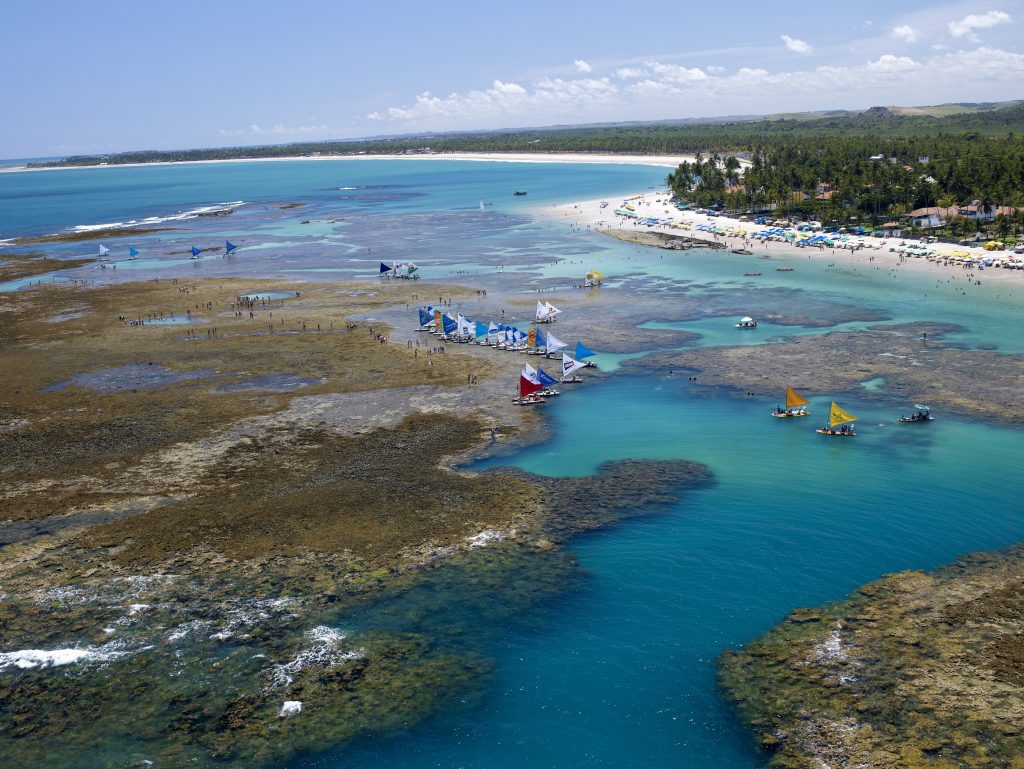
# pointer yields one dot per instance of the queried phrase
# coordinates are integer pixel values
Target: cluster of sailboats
(840, 422)
(535, 384)
(400, 270)
(229, 248)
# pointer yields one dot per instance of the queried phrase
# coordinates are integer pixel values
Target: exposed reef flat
(976, 383)
(182, 560)
(661, 239)
(915, 670)
(18, 266)
(76, 237)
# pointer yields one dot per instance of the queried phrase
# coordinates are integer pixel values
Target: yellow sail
(531, 337)
(793, 400)
(596, 275)
(836, 416)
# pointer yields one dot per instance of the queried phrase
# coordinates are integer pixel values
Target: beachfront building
(931, 217)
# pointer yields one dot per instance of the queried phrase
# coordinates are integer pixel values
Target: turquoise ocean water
(618, 669)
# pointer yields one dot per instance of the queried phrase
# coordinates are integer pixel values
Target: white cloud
(582, 66)
(795, 45)
(906, 33)
(276, 130)
(375, 115)
(713, 70)
(662, 90)
(975, 21)
(889, 64)
(677, 74)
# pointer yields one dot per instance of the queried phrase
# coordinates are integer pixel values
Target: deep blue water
(620, 673)
(616, 671)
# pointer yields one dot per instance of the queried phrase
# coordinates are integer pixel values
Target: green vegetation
(809, 165)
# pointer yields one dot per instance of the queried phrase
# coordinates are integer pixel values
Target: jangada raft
(837, 418)
(794, 406)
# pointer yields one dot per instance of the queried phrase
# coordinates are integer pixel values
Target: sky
(104, 76)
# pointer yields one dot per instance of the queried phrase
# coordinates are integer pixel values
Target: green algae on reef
(915, 670)
(197, 556)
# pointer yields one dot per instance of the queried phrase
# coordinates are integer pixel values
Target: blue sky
(107, 76)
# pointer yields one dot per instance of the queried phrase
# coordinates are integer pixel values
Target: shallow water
(620, 672)
(617, 669)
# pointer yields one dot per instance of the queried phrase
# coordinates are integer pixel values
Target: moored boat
(921, 414)
(794, 406)
(743, 251)
(837, 417)
(747, 322)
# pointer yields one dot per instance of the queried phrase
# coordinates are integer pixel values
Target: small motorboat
(572, 380)
(751, 274)
(519, 192)
(747, 323)
(743, 251)
(783, 269)
(922, 414)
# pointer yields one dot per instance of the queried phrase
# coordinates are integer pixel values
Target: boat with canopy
(747, 322)
(794, 405)
(921, 414)
(838, 418)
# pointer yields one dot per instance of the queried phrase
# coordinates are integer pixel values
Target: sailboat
(569, 368)
(837, 417)
(592, 278)
(529, 386)
(794, 405)
(104, 250)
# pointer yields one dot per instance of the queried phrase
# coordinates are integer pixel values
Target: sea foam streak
(192, 213)
(45, 658)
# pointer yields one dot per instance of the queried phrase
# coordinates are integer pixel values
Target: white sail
(530, 373)
(554, 343)
(104, 250)
(542, 311)
(552, 310)
(570, 365)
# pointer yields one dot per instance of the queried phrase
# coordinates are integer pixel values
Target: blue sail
(132, 253)
(384, 268)
(196, 251)
(583, 352)
(481, 329)
(450, 326)
(545, 379)
(425, 317)
(229, 246)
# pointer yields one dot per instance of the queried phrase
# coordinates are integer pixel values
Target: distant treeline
(738, 138)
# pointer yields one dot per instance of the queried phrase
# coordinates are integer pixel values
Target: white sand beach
(661, 161)
(600, 214)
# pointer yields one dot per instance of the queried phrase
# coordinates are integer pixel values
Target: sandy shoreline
(662, 161)
(589, 214)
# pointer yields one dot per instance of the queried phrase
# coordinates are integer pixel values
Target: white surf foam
(325, 650)
(45, 658)
(191, 213)
(290, 708)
